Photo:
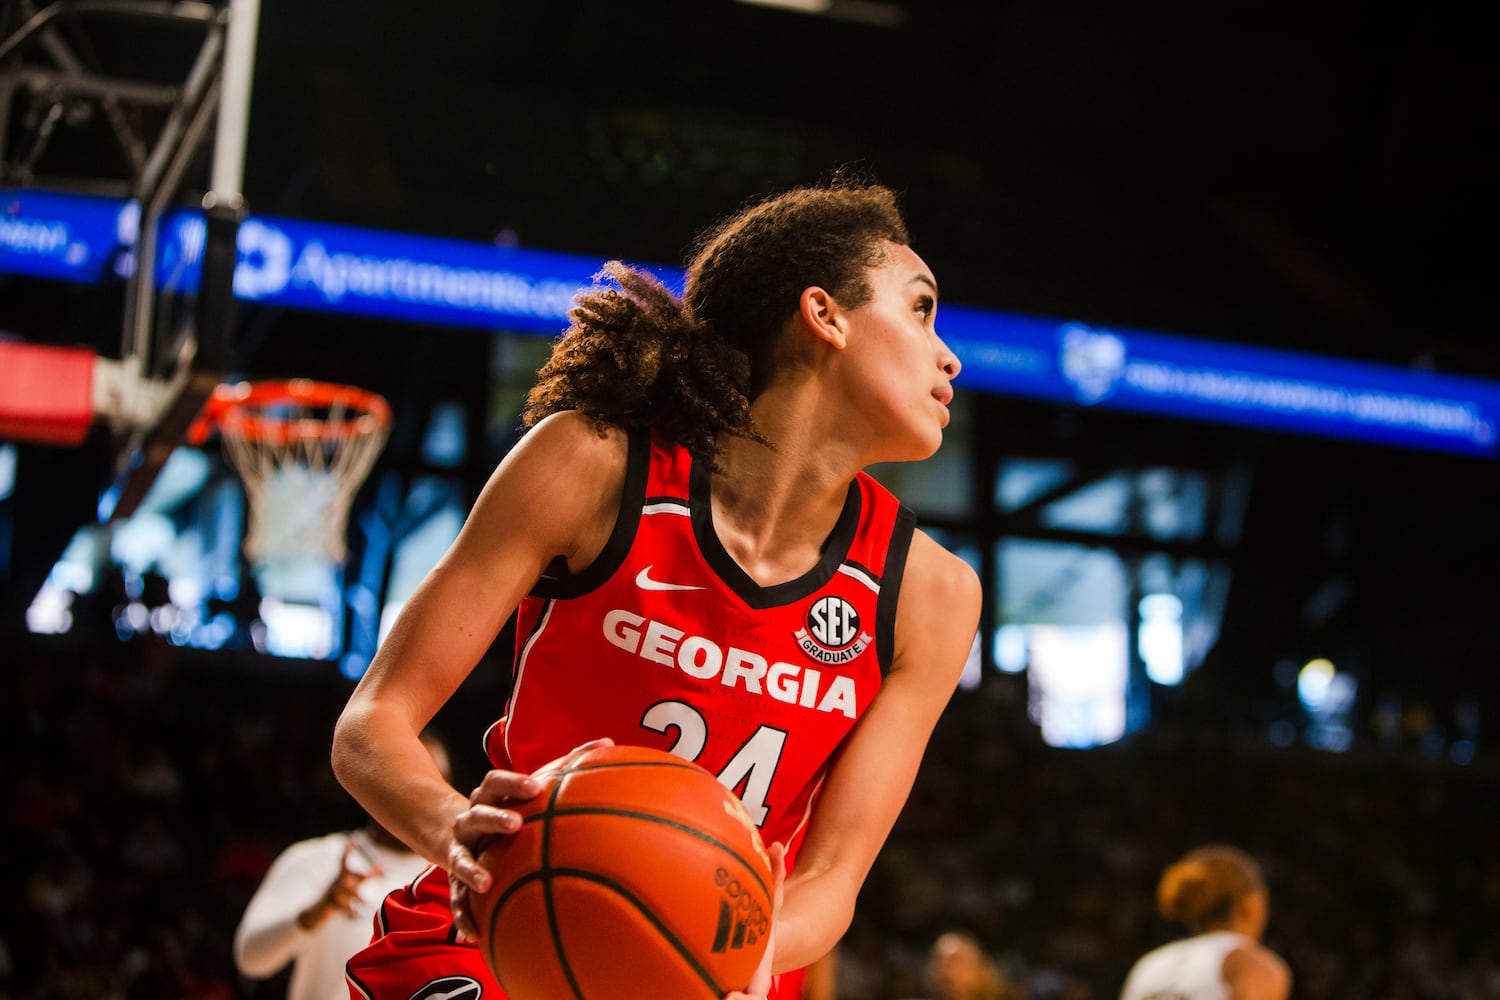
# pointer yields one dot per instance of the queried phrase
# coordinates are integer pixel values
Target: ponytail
(1201, 889)
(634, 357)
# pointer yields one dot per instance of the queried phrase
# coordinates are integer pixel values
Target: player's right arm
(555, 494)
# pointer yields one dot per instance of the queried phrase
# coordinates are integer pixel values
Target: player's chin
(933, 439)
(917, 440)
(923, 447)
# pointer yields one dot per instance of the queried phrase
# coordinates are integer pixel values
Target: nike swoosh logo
(644, 581)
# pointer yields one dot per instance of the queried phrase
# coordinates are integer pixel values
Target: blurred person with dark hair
(1219, 893)
(315, 906)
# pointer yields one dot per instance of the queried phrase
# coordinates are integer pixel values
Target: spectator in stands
(959, 967)
(315, 905)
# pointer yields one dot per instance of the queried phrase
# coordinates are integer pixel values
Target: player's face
(904, 370)
(957, 970)
(1254, 911)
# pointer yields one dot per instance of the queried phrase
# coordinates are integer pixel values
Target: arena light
(1160, 641)
(800, 6)
(874, 13)
(1315, 683)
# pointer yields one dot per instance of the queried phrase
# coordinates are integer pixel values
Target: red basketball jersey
(664, 641)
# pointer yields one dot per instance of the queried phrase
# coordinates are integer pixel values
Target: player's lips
(943, 394)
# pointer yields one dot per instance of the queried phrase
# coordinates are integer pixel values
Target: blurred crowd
(148, 789)
(1383, 865)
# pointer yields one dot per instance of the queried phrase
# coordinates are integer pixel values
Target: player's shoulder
(936, 574)
(937, 613)
(570, 436)
(1258, 972)
(563, 481)
(564, 453)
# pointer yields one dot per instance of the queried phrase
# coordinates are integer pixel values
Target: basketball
(635, 876)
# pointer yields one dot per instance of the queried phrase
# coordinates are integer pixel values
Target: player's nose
(948, 362)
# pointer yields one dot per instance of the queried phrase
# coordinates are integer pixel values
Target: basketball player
(699, 565)
(314, 906)
(1219, 893)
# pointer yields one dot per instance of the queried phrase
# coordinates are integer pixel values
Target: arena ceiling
(1311, 175)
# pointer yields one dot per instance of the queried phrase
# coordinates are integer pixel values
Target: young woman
(698, 563)
(1219, 893)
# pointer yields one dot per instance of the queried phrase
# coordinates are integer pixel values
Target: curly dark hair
(636, 356)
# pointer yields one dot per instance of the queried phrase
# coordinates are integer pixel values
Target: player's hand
(486, 818)
(760, 982)
(340, 894)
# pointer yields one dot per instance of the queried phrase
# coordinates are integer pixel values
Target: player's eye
(925, 305)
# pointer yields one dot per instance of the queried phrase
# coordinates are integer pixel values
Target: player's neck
(773, 509)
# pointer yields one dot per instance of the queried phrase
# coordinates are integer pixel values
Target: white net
(302, 453)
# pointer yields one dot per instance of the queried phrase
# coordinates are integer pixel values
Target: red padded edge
(46, 392)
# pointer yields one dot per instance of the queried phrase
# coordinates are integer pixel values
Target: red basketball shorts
(415, 954)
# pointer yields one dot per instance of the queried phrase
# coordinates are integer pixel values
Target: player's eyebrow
(926, 280)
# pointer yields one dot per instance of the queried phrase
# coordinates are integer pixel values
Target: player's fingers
(472, 830)
(463, 922)
(498, 786)
(554, 765)
(778, 876)
(349, 881)
(760, 982)
(478, 822)
(464, 870)
(342, 900)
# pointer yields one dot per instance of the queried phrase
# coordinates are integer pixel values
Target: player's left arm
(867, 786)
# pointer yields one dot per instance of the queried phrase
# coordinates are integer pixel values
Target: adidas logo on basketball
(742, 920)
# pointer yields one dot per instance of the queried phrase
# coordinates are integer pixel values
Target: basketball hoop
(303, 448)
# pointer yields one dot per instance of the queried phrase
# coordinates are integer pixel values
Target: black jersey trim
(627, 520)
(890, 586)
(835, 547)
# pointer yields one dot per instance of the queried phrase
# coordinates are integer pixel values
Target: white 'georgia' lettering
(734, 667)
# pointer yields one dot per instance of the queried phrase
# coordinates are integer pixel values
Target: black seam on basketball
(691, 831)
(510, 890)
(567, 768)
(545, 874)
(645, 911)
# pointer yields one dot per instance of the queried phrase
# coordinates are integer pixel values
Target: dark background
(1311, 176)
(1314, 176)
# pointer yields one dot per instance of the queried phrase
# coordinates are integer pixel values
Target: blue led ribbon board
(1069, 362)
(298, 264)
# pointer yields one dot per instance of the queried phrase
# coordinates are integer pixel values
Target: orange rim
(240, 409)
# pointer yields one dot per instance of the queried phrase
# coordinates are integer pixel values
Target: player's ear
(821, 314)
